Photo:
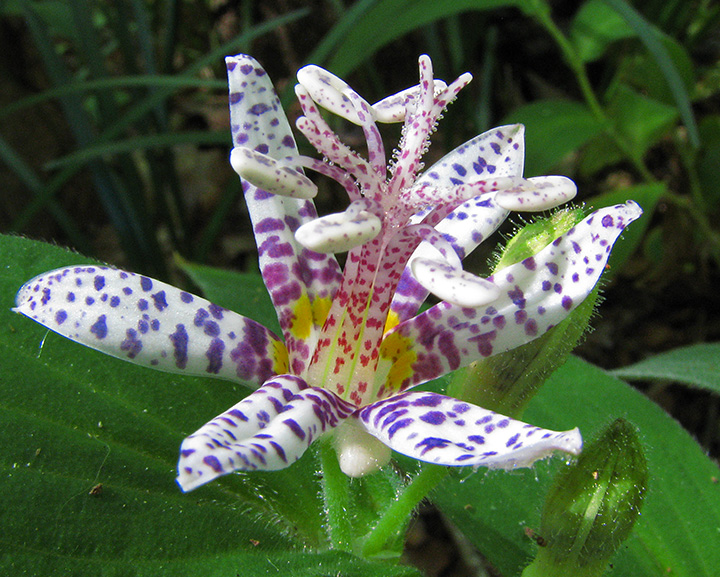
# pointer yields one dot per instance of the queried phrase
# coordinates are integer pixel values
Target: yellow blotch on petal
(398, 349)
(307, 314)
(391, 322)
(280, 355)
(320, 309)
(302, 318)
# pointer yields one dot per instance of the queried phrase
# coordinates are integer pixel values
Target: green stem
(394, 518)
(336, 493)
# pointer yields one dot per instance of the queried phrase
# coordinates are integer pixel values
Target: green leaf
(681, 515)
(72, 418)
(695, 365)
(643, 72)
(708, 167)
(650, 37)
(595, 27)
(370, 30)
(555, 128)
(642, 120)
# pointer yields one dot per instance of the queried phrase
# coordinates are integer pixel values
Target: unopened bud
(592, 506)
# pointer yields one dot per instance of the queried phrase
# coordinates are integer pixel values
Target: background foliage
(114, 139)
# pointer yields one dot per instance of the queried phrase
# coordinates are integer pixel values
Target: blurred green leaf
(647, 196)
(595, 27)
(650, 37)
(708, 166)
(554, 129)
(681, 515)
(642, 72)
(642, 120)
(71, 418)
(370, 30)
(696, 365)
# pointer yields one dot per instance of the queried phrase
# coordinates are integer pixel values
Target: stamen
(540, 193)
(453, 285)
(330, 92)
(271, 175)
(341, 231)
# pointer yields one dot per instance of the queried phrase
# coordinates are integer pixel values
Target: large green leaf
(679, 529)
(88, 446)
(696, 365)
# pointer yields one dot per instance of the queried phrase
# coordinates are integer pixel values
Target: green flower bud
(592, 506)
(506, 382)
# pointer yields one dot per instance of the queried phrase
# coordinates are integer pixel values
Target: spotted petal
(536, 294)
(268, 430)
(443, 430)
(151, 323)
(499, 152)
(301, 282)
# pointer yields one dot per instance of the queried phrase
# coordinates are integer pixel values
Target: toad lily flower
(353, 344)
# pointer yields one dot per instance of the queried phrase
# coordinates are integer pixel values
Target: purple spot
(215, 356)
(279, 450)
(212, 462)
(99, 282)
(402, 423)
(259, 109)
(433, 418)
(212, 329)
(431, 443)
(460, 169)
(115, 301)
(531, 328)
(477, 439)
(159, 299)
(70, 297)
(216, 311)
(295, 428)
(552, 267)
(99, 329)
(238, 414)
(132, 344)
(567, 303)
(186, 297)
(428, 401)
(142, 305)
(607, 221)
(512, 440)
(146, 284)
(60, 317)
(88, 301)
(179, 340)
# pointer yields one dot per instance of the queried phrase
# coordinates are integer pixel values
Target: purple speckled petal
(295, 276)
(443, 430)
(150, 323)
(268, 430)
(536, 294)
(499, 152)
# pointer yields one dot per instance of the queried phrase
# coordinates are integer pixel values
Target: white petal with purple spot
(150, 323)
(445, 431)
(268, 430)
